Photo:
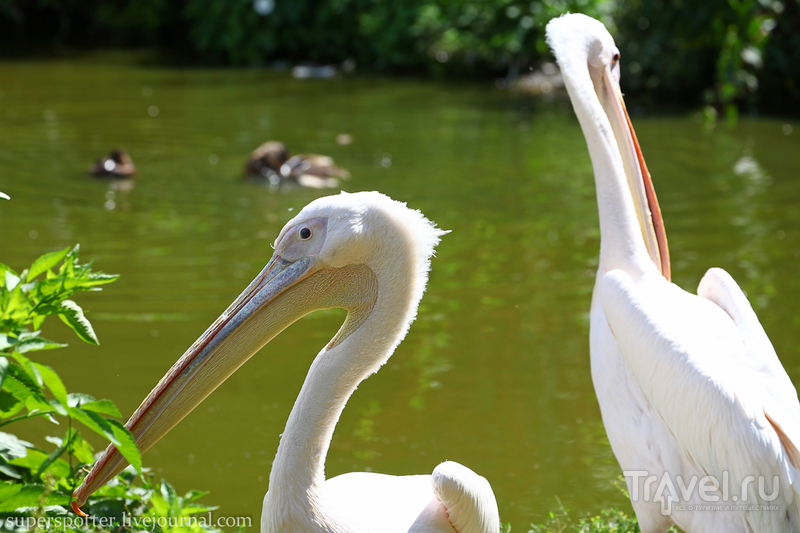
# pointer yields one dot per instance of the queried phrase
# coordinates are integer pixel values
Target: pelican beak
(641, 185)
(277, 297)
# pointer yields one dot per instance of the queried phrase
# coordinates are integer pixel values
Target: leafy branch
(29, 476)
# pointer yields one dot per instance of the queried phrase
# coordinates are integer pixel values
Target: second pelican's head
(589, 62)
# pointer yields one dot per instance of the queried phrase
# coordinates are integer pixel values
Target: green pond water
(495, 371)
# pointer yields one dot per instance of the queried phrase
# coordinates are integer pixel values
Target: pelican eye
(305, 234)
(615, 59)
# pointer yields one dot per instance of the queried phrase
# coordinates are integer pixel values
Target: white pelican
(370, 255)
(688, 385)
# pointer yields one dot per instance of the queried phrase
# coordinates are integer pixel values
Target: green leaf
(168, 492)
(28, 367)
(8, 470)
(194, 508)
(81, 449)
(35, 344)
(12, 447)
(77, 399)
(99, 278)
(57, 288)
(105, 407)
(53, 382)
(17, 388)
(192, 495)
(9, 491)
(37, 321)
(59, 408)
(35, 460)
(37, 407)
(160, 505)
(46, 262)
(9, 405)
(57, 498)
(20, 385)
(72, 315)
(127, 444)
(3, 269)
(89, 421)
(13, 306)
(68, 266)
(24, 334)
(31, 460)
(11, 280)
(3, 369)
(6, 341)
(114, 431)
(30, 495)
(55, 454)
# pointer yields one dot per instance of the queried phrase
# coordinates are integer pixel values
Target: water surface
(494, 373)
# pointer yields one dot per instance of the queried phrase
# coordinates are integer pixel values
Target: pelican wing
(453, 499)
(779, 394)
(467, 497)
(380, 503)
(695, 368)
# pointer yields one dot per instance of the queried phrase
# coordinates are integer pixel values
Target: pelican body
(689, 386)
(370, 255)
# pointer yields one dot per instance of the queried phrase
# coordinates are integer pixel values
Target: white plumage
(370, 255)
(689, 385)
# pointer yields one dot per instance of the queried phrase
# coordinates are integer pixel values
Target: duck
(272, 161)
(117, 164)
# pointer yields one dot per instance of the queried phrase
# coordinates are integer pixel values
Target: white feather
(688, 386)
(396, 243)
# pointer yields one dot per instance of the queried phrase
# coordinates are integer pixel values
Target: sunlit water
(494, 373)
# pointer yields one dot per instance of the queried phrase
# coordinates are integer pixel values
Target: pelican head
(589, 62)
(363, 252)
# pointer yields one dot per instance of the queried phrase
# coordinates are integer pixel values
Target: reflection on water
(427, 360)
(752, 254)
(365, 430)
(494, 373)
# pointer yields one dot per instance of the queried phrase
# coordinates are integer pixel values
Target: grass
(608, 521)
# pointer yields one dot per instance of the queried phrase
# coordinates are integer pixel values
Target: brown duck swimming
(118, 164)
(271, 161)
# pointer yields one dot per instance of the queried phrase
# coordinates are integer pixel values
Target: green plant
(167, 506)
(724, 53)
(503, 37)
(712, 52)
(608, 521)
(25, 302)
(36, 485)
